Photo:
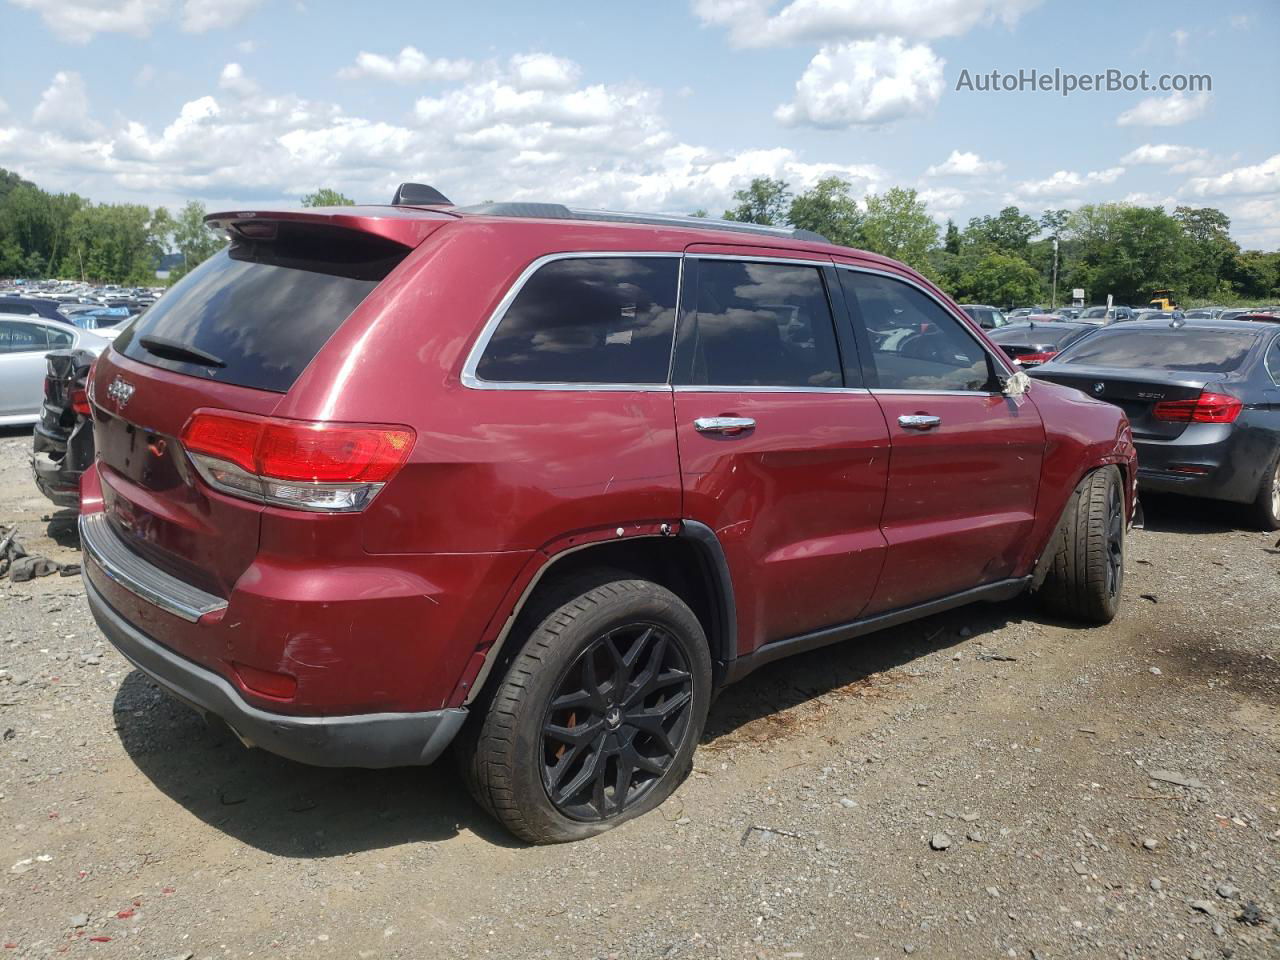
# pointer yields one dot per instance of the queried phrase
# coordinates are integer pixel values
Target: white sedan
(24, 341)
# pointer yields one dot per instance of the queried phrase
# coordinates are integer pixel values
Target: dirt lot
(1044, 759)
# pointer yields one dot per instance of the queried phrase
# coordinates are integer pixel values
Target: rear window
(588, 320)
(258, 312)
(1049, 334)
(1211, 351)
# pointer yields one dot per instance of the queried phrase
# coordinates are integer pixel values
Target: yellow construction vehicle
(1163, 300)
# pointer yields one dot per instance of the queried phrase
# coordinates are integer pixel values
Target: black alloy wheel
(616, 722)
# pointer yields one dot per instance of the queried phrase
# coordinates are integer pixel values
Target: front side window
(759, 325)
(915, 343)
(605, 320)
(22, 337)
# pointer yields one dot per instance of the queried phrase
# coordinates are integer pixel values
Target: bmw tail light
(306, 465)
(1206, 408)
(1035, 359)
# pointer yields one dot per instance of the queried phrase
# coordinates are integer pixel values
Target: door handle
(726, 426)
(919, 421)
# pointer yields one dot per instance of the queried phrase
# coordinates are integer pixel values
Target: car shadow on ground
(8, 432)
(292, 810)
(1169, 513)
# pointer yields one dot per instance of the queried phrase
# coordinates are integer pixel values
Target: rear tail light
(80, 402)
(326, 467)
(1206, 408)
(266, 683)
(1035, 359)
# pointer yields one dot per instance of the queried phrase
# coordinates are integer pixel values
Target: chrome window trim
(473, 381)
(894, 391)
(756, 388)
(962, 318)
(757, 258)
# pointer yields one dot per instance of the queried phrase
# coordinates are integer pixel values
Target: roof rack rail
(558, 211)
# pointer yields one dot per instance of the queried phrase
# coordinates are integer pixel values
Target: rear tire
(1266, 509)
(1086, 573)
(597, 717)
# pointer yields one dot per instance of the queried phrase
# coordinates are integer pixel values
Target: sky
(668, 106)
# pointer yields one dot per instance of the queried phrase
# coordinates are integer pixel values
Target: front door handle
(726, 426)
(919, 421)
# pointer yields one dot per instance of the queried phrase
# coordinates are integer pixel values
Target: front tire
(597, 717)
(1266, 508)
(1086, 573)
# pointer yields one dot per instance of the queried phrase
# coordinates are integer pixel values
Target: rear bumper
(58, 460)
(1218, 461)
(364, 740)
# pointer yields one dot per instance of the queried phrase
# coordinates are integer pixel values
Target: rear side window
(1210, 351)
(258, 312)
(603, 320)
(759, 324)
(22, 337)
(915, 343)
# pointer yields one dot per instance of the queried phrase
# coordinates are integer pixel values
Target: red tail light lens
(1206, 408)
(80, 402)
(1035, 359)
(296, 463)
(278, 686)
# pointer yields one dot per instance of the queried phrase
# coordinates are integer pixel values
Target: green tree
(951, 241)
(1126, 251)
(829, 209)
(1210, 249)
(764, 201)
(326, 197)
(1255, 275)
(113, 242)
(898, 225)
(193, 238)
(1001, 279)
(1052, 222)
(1009, 231)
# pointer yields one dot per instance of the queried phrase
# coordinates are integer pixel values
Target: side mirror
(1015, 385)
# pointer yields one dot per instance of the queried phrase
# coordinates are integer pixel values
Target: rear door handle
(728, 426)
(919, 421)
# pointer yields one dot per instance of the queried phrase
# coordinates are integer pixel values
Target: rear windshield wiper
(172, 350)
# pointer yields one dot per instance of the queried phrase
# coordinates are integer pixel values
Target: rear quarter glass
(263, 309)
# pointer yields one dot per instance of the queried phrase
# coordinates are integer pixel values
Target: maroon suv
(537, 481)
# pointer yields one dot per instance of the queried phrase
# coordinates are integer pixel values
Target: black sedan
(1033, 343)
(1203, 398)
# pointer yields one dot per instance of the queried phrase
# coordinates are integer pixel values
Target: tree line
(65, 235)
(1003, 260)
(1007, 259)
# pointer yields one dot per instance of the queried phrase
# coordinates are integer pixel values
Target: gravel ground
(985, 783)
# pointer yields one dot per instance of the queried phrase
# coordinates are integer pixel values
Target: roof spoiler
(418, 195)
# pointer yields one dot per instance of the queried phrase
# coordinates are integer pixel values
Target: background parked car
(32, 307)
(1031, 344)
(24, 341)
(1203, 399)
(62, 444)
(989, 318)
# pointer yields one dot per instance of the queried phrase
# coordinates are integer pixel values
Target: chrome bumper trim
(113, 557)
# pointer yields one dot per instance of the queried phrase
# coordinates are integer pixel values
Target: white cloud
(233, 79)
(410, 65)
(864, 82)
(1241, 21)
(145, 76)
(942, 201)
(246, 47)
(4, 107)
(1261, 177)
(1066, 183)
(588, 144)
(542, 71)
(199, 16)
(753, 23)
(964, 164)
(76, 21)
(1180, 38)
(1170, 111)
(1179, 159)
(64, 108)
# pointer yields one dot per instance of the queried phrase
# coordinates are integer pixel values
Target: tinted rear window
(1211, 351)
(588, 320)
(263, 309)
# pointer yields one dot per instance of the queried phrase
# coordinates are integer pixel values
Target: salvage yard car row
(643, 457)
